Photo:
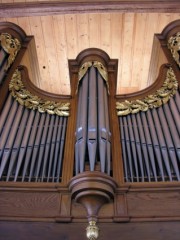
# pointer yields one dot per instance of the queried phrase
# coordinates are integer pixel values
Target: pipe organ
(94, 154)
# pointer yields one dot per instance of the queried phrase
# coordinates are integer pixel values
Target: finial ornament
(92, 231)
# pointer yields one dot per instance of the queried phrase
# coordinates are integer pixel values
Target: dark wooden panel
(154, 204)
(128, 231)
(27, 204)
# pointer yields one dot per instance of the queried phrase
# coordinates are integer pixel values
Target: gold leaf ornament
(161, 96)
(174, 47)
(27, 99)
(100, 67)
(11, 46)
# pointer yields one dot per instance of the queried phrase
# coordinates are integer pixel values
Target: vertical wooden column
(117, 163)
(68, 162)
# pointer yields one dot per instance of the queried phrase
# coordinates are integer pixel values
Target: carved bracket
(92, 190)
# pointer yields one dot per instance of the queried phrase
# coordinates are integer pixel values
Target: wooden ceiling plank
(151, 28)
(60, 41)
(82, 32)
(51, 53)
(36, 30)
(175, 16)
(164, 19)
(94, 30)
(138, 49)
(116, 41)
(128, 43)
(13, 20)
(24, 24)
(71, 35)
(105, 32)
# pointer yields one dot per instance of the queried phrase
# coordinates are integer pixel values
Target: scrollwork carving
(27, 99)
(161, 96)
(174, 46)
(11, 46)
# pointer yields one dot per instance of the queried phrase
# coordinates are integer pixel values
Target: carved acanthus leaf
(11, 46)
(161, 96)
(27, 99)
(174, 46)
(100, 67)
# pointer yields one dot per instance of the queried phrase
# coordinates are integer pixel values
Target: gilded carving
(100, 67)
(161, 96)
(27, 99)
(174, 46)
(11, 46)
(83, 69)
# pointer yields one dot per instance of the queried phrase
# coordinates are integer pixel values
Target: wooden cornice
(67, 7)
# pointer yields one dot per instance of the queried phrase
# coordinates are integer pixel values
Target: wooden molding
(67, 7)
(52, 202)
(37, 91)
(151, 89)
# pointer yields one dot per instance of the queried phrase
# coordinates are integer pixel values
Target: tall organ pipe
(81, 131)
(92, 118)
(3, 64)
(92, 129)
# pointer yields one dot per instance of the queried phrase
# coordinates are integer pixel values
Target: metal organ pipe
(151, 144)
(92, 118)
(31, 144)
(92, 129)
(3, 64)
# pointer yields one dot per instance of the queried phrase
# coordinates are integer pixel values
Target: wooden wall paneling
(164, 19)
(71, 35)
(36, 30)
(7, 1)
(161, 59)
(24, 24)
(154, 204)
(82, 32)
(101, 30)
(175, 16)
(94, 30)
(65, 208)
(138, 49)
(153, 71)
(29, 204)
(128, 42)
(105, 32)
(30, 61)
(12, 20)
(62, 58)
(78, 212)
(116, 42)
(51, 50)
(151, 26)
(120, 207)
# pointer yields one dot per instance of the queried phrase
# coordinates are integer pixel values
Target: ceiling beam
(68, 7)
